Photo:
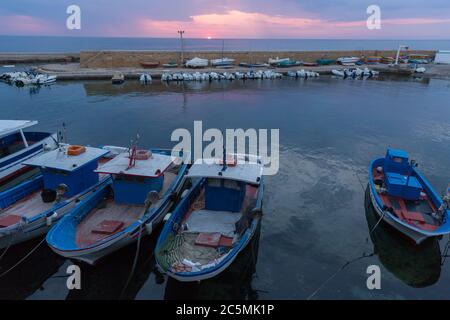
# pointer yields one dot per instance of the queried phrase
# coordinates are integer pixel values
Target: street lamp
(181, 32)
(400, 47)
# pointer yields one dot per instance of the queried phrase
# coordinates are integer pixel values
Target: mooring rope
(135, 260)
(346, 264)
(23, 259)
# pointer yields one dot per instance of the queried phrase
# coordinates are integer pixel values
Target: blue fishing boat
(214, 220)
(404, 199)
(31, 208)
(17, 145)
(144, 185)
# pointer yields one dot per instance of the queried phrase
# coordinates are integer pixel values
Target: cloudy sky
(401, 19)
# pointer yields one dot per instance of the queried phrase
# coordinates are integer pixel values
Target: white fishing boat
(222, 62)
(278, 60)
(215, 219)
(17, 145)
(348, 61)
(197, 63)
(31, 208)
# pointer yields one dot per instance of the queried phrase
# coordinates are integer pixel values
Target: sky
(318, 19)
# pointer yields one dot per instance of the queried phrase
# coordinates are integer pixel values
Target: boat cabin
(72, 166)
(226, 186)
(399, 177)
(135, 175)
(14, 139)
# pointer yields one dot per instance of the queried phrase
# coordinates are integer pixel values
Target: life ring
(75, 150)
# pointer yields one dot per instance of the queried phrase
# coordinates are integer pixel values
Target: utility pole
(182, 45)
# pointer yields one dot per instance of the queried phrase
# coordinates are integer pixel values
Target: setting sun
(209, 37)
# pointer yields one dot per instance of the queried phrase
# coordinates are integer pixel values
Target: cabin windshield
(14, 143)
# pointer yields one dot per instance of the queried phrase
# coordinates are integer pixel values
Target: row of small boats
(354, 73)
(22, 78)
(92, 201)
(210, 76)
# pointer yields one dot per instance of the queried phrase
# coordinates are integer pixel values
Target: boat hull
(11, 166)
(40, 224)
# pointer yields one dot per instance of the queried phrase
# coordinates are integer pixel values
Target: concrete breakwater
(133, 59)
(16, 58)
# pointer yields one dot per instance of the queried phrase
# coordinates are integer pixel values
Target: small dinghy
(118, 78)
(17, 145)
(215, 219)
(338, 73)
(31, 208)
(143, 187)
(348, 61)
(145, 78)
(405, 200)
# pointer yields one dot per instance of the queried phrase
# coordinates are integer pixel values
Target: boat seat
(108, 227)
(9, 220)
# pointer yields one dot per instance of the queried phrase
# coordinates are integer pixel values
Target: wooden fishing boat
(31, 208)
(325, 61)
(17, 145)
(150, 64)
(405, 200)
(143, 187)
(215, 219)
(309, 64)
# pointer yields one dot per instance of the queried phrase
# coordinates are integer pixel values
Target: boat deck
(117, 216)
(27, 207)
(415, 213)
(209, 235)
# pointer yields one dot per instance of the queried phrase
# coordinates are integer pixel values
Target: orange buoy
(75, 150)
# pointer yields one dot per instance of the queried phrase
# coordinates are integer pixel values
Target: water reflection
(235, 283)
(108, 279)
(417, 266)
(31, 274)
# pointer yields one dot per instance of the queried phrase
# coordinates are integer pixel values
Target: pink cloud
(240, 24)
(25, 25)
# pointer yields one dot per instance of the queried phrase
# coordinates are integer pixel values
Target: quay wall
(132, 59)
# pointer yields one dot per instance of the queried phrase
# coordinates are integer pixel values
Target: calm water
(315, 217)
(75, 44)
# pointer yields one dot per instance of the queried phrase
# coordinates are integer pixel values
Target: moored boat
(348, 61)
(222, 62)
(17, 145)
(118, 78)
(143, 187)
(150, 64)
(197, 63)
(31, 208)
(405, 200)
(214, 220)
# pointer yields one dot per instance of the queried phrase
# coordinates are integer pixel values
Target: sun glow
(209, 37)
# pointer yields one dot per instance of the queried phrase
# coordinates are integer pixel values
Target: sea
(315, 238)
(44, 44)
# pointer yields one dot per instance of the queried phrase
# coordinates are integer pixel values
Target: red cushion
(108, 227)
(208, 239)
(9, 220)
